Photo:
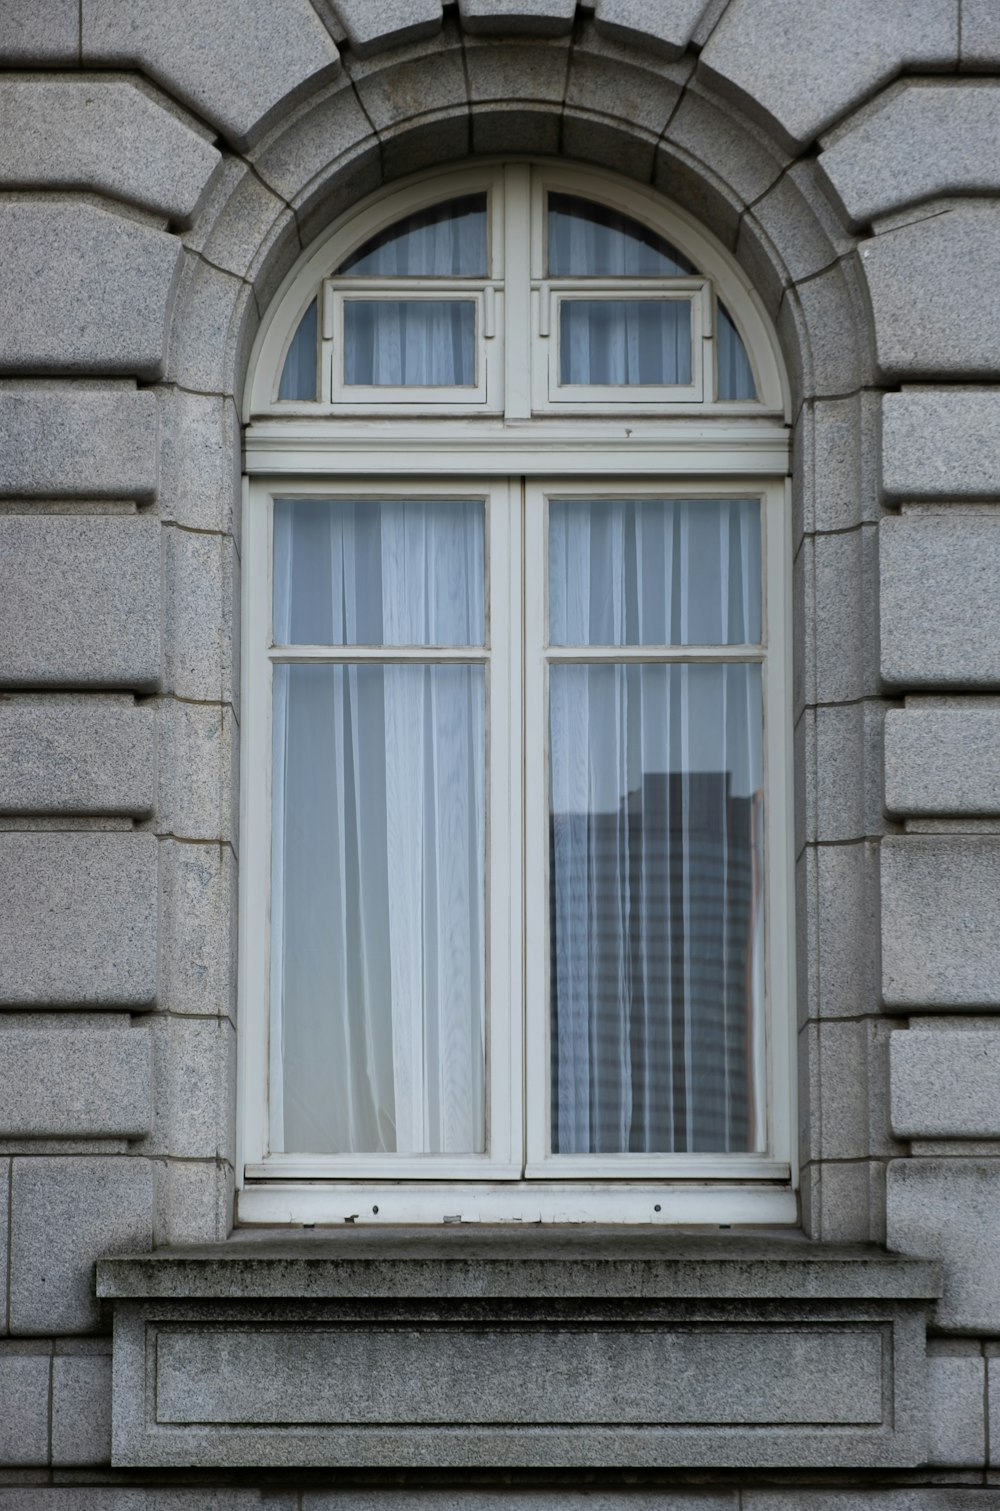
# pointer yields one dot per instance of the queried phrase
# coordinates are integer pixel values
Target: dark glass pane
(625, 342)
(656, 896)
(445, 241)
(587, 240)
(395, 343)
(298, 376)
(735, 373)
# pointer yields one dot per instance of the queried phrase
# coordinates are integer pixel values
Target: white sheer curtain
(625, 341)
(378, 886)
(655, 837)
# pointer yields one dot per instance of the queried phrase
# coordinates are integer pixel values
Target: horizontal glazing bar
(643, 653)
(338, 654)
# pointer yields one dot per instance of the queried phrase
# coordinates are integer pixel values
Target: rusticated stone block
(939, 627)
(945, 1083)
(74, 1083)
(542, 18)
(77, 440)
(941, 444)
(931, 283)
(75, 754)
(66, 1212)
(372, 27)
(81, 1409)
(87, 609)
(949, 1209)
(920, 139)
(942, 759)
(106, 135)
(665, 26)
(80, 919)
(237, 62)
(46, 34)
(940, 944)
(957, 1408)
(83, 290)
(980, 34)
(24, 1407)
(803, 66)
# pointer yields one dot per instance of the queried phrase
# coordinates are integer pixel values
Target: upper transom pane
(447, 240)
(588, 240)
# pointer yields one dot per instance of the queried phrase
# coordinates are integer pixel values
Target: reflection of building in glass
(653, 918)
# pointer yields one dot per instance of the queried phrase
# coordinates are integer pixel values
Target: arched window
(515, 936)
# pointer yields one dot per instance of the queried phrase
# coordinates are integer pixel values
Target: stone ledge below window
(530, 1348)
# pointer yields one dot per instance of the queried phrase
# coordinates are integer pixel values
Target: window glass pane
(378, 571)
(410, 342)
(378, 910)
(625, 341)
(445, 241)
(735, 374)
(298, 376)
(654, 571)
(656, 888)
(587, 240)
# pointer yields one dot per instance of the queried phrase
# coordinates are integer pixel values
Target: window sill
(503, 1347)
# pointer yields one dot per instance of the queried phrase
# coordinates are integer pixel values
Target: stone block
(200, 460)
(949, 1209)
(198, 770)
(664, 26)
(698, 190)
(737, 152)
(836, 462)
(941, 444)
(523, 129)
(87, 609)
(83, 290)
(841, 898)
(215, 310)
(195, 1202)
(371, 28)
(435, 139)
(67, 1212)
(74, 440)
(521, 72)
(4, 1239)
(920, 1497)
(940, 946)
(930, 283)
(920, 139)
(242, 225)
(937, 601)
(311, 143)
(980, 35)
(201, 592)
(80, 919)
(238, 63)
(48, 34)
(81, 1497)
(540, 18)
(845, 573)
(957, 1414)
(24, 1407)
(946, 1083)
(799, 222)
(611, 80)
(841, 772)
(81, 1410)
(104, 135)
(75, 1083)
(195, 1077)
(795, 67)
(72, 753)
(942, 759)
(821, 323)
(198, 945)
(592, 1499)
(421, 79)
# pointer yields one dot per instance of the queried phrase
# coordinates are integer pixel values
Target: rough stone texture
(75, 1082)
(149, 1498)
(839, 947)
(914, 1498)
(980, 34)
(946, 1084)
(80, 919)
(731, 147)
(370, 28)
(4, 1239)
(950, 1209)
(957, 1414)
(942, 760)
(87, 610)
(201, 649)
(540, 18)
(24, 1407)
(839, 772)
(46, 34)
(195, 1079)
(75, 754)
(81, 1409)
(835, 464)
(198, 769)
(83, 290)
(592, 1499)
(195, 1201)
(664, 25)
(198, 927)
(920, 139)
(800, 67)
(938, 595)
(237, 62)
(217, 313)
(314, 142)
(604, 80)
(101, 134)
(794, 217)
(242, 225)
(71, 440)
(940, 946)
(822, 326)
(941, 444)
(931, 283)
(200, 461)
(66, 1213)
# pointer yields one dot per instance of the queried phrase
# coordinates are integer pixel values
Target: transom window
(515, 878)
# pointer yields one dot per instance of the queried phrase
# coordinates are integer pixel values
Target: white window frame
(712, 448)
